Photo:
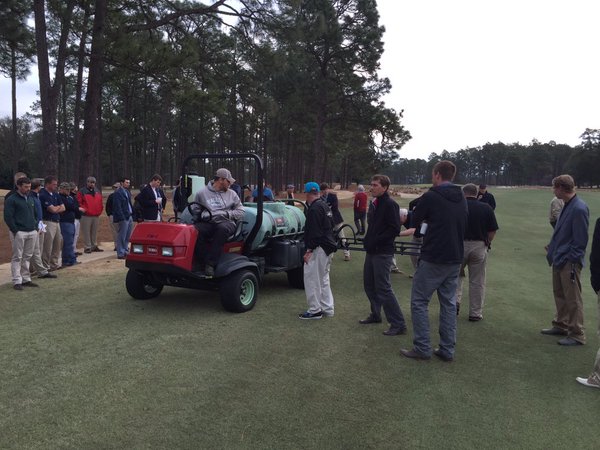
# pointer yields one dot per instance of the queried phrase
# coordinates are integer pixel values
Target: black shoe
(475, 318)
(87, 250)
(437, 352)
(369, 320)
(30, 284)
(554, 331)
(97, 249)
(457, 308)
(48, 275)
(394, 332)
(569, 342)
(18, 287)
(414, 355)
(77, 253)
(121, 257)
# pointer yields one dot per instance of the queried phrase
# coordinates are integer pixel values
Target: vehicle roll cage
(186, 190)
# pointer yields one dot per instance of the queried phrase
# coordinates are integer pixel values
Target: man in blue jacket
(122, 211)
(566, 252)
(441, 217)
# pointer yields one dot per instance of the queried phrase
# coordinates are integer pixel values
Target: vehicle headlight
(138, 248)
(167, 251)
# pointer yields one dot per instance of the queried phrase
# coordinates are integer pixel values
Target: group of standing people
(446, 218)
(44, 220)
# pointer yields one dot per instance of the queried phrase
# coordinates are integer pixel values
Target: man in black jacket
(441, 217)
(320, 245)
(486, 197)
(114, 228)
(594, 379)
(384, 225)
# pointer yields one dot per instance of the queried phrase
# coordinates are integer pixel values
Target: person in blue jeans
(67, 224)
(122, 211)
(441, 217)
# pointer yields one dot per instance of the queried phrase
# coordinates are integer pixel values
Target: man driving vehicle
(218, 212)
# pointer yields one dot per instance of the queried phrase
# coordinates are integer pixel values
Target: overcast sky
(467, 72)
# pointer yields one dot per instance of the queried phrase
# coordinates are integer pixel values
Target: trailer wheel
(139, 287)
(239, 291)
(296, 277)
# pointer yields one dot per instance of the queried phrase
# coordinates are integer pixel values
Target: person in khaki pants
(90, 202)
(565, 253)
(36, 264)
(52, 207)
(20, 217)
(481, 229)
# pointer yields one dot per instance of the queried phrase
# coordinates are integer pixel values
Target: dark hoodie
(444, 209)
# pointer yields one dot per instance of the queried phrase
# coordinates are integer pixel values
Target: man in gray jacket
(225, 209)
(565, 254)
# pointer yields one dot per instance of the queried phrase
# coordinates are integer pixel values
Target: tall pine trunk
(49, 91)
(90, 141)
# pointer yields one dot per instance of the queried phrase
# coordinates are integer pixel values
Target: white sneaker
(346, 257)
(586, 382)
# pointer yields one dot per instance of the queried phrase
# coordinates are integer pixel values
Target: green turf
(84, 366)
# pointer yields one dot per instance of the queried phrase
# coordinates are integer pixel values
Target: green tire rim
(246, 292)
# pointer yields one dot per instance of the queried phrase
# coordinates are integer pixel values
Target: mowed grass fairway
(83, 365)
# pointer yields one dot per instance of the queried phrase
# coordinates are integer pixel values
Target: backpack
(137, 214)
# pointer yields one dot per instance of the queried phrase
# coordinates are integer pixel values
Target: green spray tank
(279, 220)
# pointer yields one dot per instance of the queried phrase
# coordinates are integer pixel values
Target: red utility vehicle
(268, 239)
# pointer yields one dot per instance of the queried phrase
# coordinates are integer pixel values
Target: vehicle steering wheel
(202, 215)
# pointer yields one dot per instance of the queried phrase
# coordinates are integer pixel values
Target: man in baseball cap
(320, 245)
(312, 188)
(213, 230)
(225, 173)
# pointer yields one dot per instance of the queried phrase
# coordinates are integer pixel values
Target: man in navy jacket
(594, 379)
(122, 211)
(152, 199)
(566, 252)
